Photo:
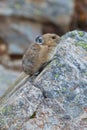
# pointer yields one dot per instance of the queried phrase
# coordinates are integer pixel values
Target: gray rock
(57, 100)
(6, 77)
(39, 10)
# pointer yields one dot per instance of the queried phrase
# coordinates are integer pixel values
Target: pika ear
(39, 40)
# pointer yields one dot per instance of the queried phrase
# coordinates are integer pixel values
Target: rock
(56, 99)
(23, 108)
(38, 10)
(6, 77)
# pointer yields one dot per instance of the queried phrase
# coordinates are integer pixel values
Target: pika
(38, 54)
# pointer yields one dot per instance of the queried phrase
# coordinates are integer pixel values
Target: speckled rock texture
(6, 77)
(57, 98)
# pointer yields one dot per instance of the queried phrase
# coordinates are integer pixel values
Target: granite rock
(57, 98)
(6, 77)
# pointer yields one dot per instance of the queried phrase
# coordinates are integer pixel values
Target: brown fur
(38, 54)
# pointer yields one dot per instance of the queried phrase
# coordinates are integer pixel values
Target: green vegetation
(83, 44)
(86, 73)
(56, 75)
(81, 33)
(73, 34)
(33, 115)
(6, 110)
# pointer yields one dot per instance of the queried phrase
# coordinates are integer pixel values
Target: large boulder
(57, 98)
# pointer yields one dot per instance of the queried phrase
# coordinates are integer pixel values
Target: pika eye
(53, 37)
(39, 40)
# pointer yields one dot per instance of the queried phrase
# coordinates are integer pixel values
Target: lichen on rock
(57, 100)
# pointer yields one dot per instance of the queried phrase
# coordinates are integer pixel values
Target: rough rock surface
(6, 77)
(57, 98)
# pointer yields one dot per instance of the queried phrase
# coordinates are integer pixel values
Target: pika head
(48, 39)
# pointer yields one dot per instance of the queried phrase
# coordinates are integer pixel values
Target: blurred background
(22, 20)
